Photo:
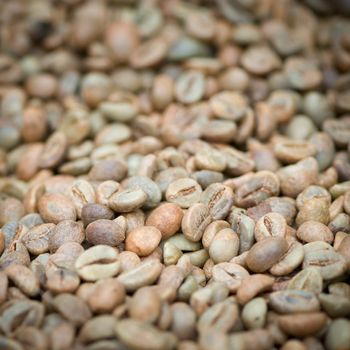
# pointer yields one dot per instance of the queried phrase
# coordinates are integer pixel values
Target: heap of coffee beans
(174, 175)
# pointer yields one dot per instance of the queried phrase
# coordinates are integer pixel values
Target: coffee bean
(264, 254)
(106, 232)
(98, 262)
(184, 192)
(127, 200)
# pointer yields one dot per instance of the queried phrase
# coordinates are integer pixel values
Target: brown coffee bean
(335, 305)
(184, 192)
(302, 325)
(166, 218)
(145, 305)
(56, 208)
(33, 338)
(106, 232)
(66, 231)
(23, 278)
(264, 254)
(54, 151)
(100, 261)
(195, 221)
(36, 240)
(94, 211)
(72, 308)
(143, 240)
(105, 295)
(11, 209)
(109, 169)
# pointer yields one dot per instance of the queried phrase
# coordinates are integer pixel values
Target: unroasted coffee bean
(337, 336)
(105, 295)
(98, 262)
(127, 200)
(311, 231)
(270, 225)
(106, 232)
(189, 87)
(293, 301)
(219, 199)
(308, 279)
(143, 274)
(54, 151)
(264, 254)
(145, 305)
(184, 192)
(36, 240)
(302, 324)
(94, 211)
(143, 240)
(97, 328)
(166, 218)
(335, 305)
(66, 231)
(135, 334)
(22, 277)
(72, 308)
(224, 246)
(183, 322)
(55, 208)
(195, 221)
(108, 169)
(254, 313)
(230, 274)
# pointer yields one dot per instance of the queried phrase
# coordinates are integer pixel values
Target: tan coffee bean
(337, 336)
(293, 301)
(311, 231)
(55, 208)
(290, 260)
(143, 240)
(292, 151)
(254, 313)
(42, 85)
(127, 200)
(195, 221)
(98, 262)
(3, 286)
(335, 305)
(22, 277)
(219, 199)
(106, 294)
(183, 323)
(36, 240)
(270, 225)
(143, 274)
(54, 151)
(250, 340)
(211, 230)
(183, 192)
(224, 246)
(264, 254)
(145, 305)
(109, 169)
(229, 105)
(302, 325)
(121, 39)
(128, 260)
(294, 344)
(135, 334)
(189, 87)
(308, 279)
(253, 285)
(94, 211)
(97, 328)
(107, 232)
(230, 274)
(72, 308)
(105, 190)
(82, 193)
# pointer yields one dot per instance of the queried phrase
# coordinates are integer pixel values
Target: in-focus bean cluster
(175, 175)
